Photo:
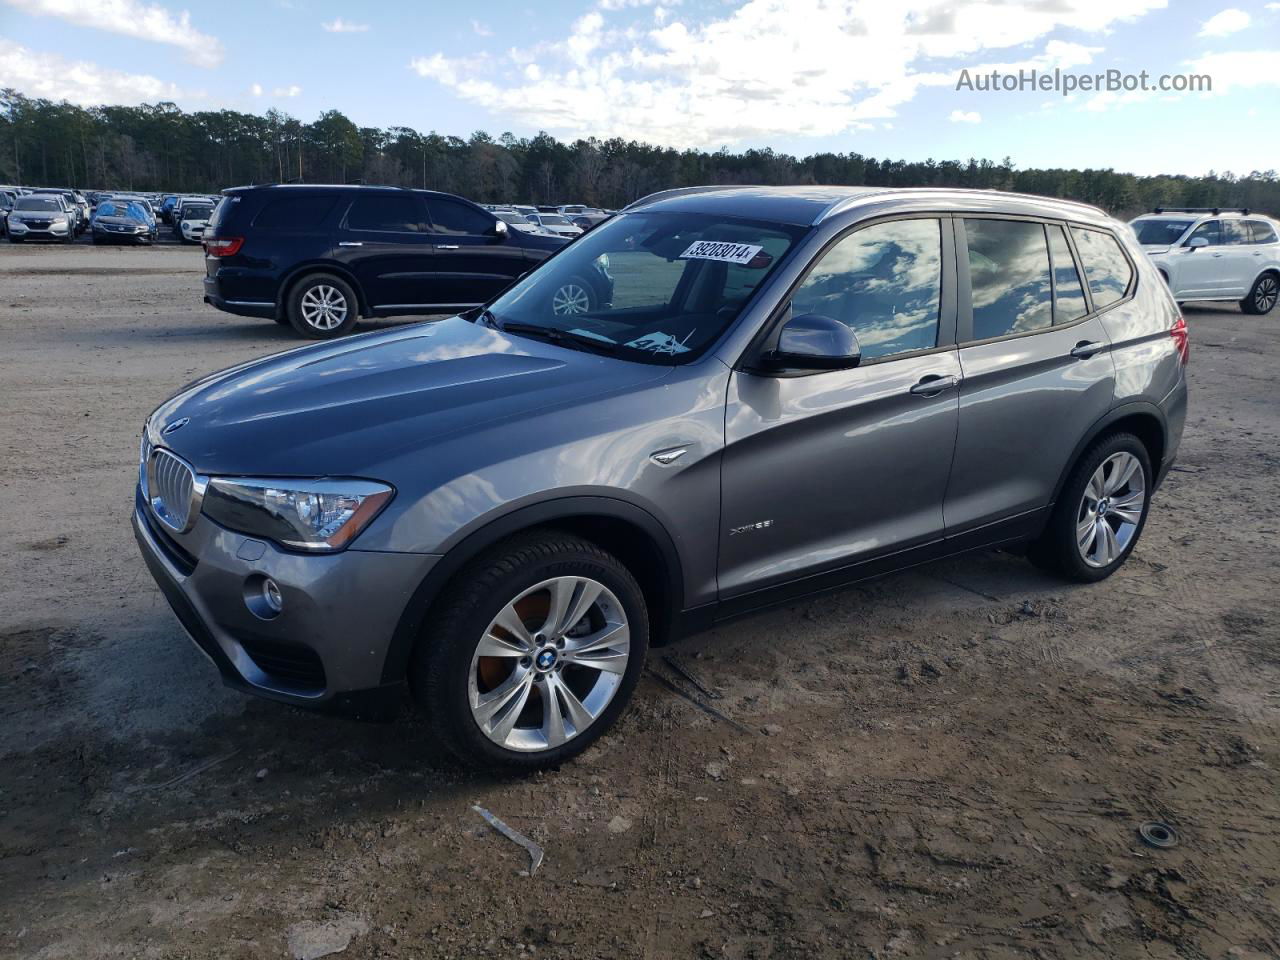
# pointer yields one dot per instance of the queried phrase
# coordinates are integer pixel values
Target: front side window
(1263, 232)
(656, 287)
(1210, 230)
(1105, 265)
(452, 217)
(1068, 292)
(884, 282)
(1008, 277)
(386, 212)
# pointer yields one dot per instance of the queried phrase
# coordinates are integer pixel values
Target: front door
(833, 468)
(473, 263)
(1200, 269)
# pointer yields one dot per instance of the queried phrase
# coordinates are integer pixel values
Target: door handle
(1086, 349)
(351, 243)
(446, 246)
(933, 385)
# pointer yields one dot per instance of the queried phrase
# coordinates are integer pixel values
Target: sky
(799, 76)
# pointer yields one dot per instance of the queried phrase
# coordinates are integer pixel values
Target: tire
(70, 237)
(573, 297)
(519, 580)
(1262, 298)
(13, 239)
(1076, 546)
(281, 319)
(308, 299)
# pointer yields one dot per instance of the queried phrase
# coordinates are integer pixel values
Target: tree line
(158, 147)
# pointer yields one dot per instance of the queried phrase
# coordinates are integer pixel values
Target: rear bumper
(325, 650)
(243, 308)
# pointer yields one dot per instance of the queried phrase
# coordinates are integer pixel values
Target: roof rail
(679, 192)
(1214, 210)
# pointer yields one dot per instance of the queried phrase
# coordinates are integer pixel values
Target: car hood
(347, 407)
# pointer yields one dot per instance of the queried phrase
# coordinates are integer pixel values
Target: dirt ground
(951, 762)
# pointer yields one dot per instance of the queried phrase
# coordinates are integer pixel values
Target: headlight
(321, 516)
(60, 219)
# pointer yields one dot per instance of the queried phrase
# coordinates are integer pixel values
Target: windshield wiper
(559, 337)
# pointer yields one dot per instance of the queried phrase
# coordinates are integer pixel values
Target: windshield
(196, 211)
(1161, 232)
(512, 217)
(38, 203)
(656, 286)
(553, 219)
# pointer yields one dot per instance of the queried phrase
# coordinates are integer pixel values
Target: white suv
(1214, 254)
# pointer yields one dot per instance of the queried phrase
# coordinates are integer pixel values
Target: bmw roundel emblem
(546, 659)
(175, 426)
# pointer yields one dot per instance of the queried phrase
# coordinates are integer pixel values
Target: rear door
(384, 240)
(1237, 258)
(473, 262)
(1037, 370)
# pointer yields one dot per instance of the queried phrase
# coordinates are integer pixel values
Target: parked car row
(567, 220)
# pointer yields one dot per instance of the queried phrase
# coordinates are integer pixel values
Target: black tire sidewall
(1249, 304)
(442, 664)
(1058, 547)
(294, 306)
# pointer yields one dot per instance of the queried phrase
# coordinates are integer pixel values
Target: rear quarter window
(294, 214)
(1105, 266)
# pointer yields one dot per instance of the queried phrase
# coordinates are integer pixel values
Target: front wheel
(1262, 298)
(1101, 511)
(573, 297)
(533, 654)
(322, 306)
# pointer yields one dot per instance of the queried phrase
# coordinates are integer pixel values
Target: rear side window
(452, 217)
(388, 212)
(292, 214)
(884, 282)
(1235, 232)
(1263, 232)
(1008, 277)
(1105, 265)
(1068, 292)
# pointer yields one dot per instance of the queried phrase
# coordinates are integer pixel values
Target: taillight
(223, 246)
(1181, 340)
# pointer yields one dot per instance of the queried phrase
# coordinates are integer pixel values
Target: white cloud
(1225, 23)
(255, 90)
(965, 116)
(481, 29)
(1244, 69)
(766, 68)
(132, 18)
(52, 76)
(293, 90)
(338, 25)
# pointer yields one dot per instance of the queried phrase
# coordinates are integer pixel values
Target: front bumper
(325, 649)
(23, 232)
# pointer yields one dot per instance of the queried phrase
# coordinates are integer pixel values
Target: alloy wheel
(324, 307)
(570, 300)
(549, 664)
(1111, 509)
(1264, 297)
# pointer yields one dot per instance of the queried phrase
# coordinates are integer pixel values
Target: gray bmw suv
(792, 389)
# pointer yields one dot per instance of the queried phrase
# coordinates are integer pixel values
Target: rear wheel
(1262, 298)
(1101, 512)
(534, 654)
(322, 306)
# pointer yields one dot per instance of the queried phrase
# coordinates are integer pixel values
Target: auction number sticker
(739, 253)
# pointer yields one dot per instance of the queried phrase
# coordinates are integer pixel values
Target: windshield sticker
(740, 253)
(658, 342)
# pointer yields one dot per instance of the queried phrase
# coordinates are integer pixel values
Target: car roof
(812, 204)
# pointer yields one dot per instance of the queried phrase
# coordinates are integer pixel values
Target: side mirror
(1195, 243)
(500, 229)
(813, 341)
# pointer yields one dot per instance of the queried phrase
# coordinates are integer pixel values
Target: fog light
(263, 597)
(271, 594)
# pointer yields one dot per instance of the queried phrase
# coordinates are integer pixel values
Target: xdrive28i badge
(175, 426)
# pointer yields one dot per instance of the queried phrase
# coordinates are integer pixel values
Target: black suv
(320, 257)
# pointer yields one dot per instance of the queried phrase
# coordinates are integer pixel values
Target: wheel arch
(628, 531)
(1144, 420)
(296, 274)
